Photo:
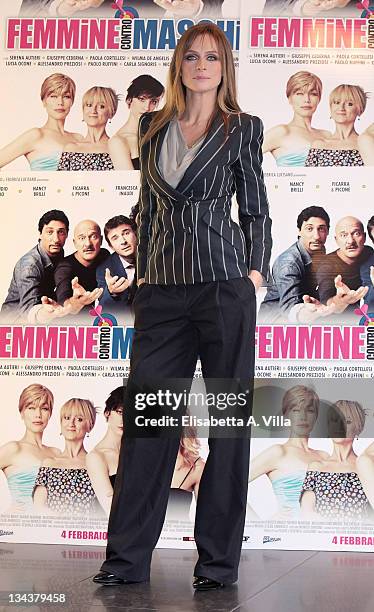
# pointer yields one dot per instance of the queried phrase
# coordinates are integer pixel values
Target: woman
(285, 464)
(332, 487)
(347, 103)
(62, 484)
(143, 95)
(197, 275)
(289, 143)
(366, 146)
(102, 461)
(99, 105)
(20, 460)
(43, 146)
(186, 478)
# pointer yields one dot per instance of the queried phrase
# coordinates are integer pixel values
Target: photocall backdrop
(331, 357)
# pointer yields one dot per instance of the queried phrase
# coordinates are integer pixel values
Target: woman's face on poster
(344, 110)
(58, 104)
(144, 103)
(96, 113)
(303, 416)
(74, 426)
(304, 101)
(36, 417)
(115, 421)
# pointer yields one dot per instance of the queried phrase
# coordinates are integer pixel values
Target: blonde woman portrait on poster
(347, 103)
(43, 146)
(285, 464)
(143, 95)
(99, 105)
(102, 461)
(289, 143)
(20, 460)
(332, 488)
(62, 485)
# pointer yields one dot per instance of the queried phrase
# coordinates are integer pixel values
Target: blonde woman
(289, 143)
(20, 460)
(285, 464)
(62, 485)
(332, 488)
(347, 103)
(43, 146)
(99, 105)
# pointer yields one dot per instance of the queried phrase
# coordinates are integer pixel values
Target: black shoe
(201, 583)
(107, 579)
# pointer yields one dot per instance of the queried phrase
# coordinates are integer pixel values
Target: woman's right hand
(140, 281)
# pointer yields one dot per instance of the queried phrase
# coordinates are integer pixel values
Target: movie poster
(310, 463)
(77, 76)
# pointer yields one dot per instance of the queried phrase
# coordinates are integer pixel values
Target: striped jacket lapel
(211, 146)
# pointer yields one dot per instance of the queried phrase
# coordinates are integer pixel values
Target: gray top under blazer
(186, 234)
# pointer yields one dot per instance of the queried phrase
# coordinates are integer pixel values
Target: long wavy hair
(189, 446)
(175, 102)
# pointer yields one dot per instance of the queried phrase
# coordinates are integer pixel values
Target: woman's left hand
(256, 278)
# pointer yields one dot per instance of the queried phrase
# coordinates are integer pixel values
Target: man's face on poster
(313, 234)
(53, 237)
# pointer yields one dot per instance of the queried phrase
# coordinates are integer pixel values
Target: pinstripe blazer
(186, 235)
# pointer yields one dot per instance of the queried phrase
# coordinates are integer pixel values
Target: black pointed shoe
(201, 583)
(107, 579)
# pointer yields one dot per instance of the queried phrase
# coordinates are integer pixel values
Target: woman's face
(144, 103)
(96, 113)
(58, 105)
(341, 427)
(74, 426)
(201, 66)
(304, 101)
(344, 110)
(303, 417)
(36, 417)
(115, 421)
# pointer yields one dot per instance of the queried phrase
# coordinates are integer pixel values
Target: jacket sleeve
(28, 279)
(63, 278)
(252, 199)
(107, 299)
(289, 282)
(147, 206)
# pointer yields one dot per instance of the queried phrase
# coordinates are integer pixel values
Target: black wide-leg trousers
(175, 325)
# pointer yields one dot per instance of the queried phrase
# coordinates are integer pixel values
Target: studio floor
(270, 580)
